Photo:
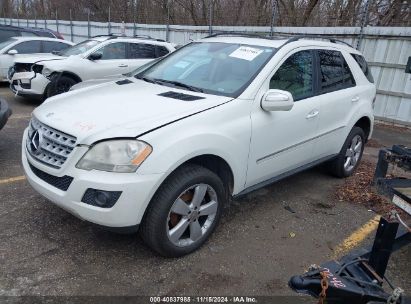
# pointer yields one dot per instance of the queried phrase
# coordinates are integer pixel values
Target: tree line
(222, 12)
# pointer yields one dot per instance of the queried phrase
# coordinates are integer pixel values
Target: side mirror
(12, 52)
(95, 56)
(277, 100)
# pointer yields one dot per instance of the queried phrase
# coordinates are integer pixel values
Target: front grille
(62, 183)
(47, 145)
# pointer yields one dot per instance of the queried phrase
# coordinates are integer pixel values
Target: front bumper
(136, 190)
(5, 112)
(29, 84)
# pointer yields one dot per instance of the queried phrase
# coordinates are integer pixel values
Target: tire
(174, 210)
(350, 155)
(59, 85)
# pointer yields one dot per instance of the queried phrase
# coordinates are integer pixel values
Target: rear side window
(50, 46)
(161, 51)
(6, 34)
(28, 34)
(334, 72)
(28, 47)
(141, 51)
(364, 66)
(295, 75)
(114, 51)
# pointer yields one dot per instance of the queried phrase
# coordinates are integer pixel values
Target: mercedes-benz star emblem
(35, 141)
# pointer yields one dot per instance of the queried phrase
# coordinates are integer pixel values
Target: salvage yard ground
(263, 239)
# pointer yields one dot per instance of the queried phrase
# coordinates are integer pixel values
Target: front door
(284, 140)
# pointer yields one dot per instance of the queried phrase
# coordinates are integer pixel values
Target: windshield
(80, 48)
(215, 68)
(142, 68)
(6, 43)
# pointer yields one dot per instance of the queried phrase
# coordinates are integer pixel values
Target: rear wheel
(59, 85)
(350, 155)
(184, 211)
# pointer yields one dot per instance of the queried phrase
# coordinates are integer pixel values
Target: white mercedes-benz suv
(100, 56)
(165, 150)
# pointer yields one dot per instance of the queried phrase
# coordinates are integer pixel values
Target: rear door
(339, 96)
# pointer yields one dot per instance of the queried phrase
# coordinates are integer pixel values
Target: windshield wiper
(180, 84)
(146, 79)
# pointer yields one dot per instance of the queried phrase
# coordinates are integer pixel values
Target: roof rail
(331, 39)
(148, 37)
(238, 34)
(110, 36)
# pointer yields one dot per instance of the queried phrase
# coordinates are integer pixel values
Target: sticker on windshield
(182, 64)
(246, 53)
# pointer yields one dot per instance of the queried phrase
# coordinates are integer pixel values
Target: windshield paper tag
(246, 53)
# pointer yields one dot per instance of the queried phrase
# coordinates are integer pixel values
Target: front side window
(212, 67)
(334, 72)
(142, 51)
(80, 48)
(113, 51)
(50, 46)
(295, 75)
(28, 47)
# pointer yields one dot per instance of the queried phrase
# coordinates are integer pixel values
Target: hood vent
(180, 96)
(124, 81)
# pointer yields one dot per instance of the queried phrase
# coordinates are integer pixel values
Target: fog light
(101, 198)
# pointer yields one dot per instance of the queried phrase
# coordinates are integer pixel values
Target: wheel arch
(365, 124)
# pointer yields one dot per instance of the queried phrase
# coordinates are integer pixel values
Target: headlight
(46, 72)
(123, 156)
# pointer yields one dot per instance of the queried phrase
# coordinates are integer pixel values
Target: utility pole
(210, 28)
(364, 22)
(135, 18)
(273, 15)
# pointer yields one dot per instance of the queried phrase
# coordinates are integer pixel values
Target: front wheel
(184, 211)
(60, 84)
(350, 155)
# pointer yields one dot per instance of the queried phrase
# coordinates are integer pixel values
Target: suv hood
(93, 82)
(29, 58)
(111, 110)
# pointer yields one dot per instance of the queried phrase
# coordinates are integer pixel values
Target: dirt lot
(263, 240)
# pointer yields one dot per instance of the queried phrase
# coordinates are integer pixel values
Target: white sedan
(17, 47)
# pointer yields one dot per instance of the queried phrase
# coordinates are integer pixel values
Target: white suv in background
(94, 58)
(21, 47)
(165, 150)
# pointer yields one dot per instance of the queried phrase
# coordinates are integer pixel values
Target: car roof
(141, 39)
(281, 41)
(30, 38)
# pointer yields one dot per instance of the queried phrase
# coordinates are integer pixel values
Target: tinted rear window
(6, 34)
(335, 73)
(364, 66)
(50, 46)
(141, 51)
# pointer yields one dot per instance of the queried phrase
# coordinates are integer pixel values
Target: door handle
(123, 65)
(355, 99)
(312, 114)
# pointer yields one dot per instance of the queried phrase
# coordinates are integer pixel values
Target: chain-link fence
(217, 12)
